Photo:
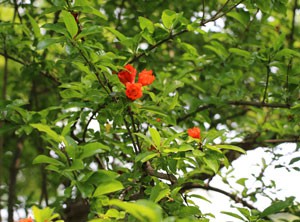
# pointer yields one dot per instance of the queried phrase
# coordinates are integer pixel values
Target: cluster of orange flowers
(133, 89)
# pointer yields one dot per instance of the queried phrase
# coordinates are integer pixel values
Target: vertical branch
(267, 81)
(134, 129)
(120, 14)
(290, 43)
(130, 135)
(3, 97)
(203, 13)
(14, 168)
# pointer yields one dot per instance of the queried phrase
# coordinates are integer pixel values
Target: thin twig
(189, 186)
(120, 14)
(134, 129)
(267, 81)
(130, 135)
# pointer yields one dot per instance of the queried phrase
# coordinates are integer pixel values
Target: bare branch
(189, 186)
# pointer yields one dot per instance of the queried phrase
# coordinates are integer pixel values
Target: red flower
(26, 220)
(127, 75)
(146, 77)
(134, 90)
(194, 132)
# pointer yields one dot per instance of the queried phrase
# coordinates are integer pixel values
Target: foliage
(73, 138)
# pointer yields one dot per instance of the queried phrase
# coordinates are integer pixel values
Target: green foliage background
(59, 61)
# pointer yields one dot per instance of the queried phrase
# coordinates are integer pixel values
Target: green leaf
(34, 25)
(155, 137)
(76, 165)
(294, 160)
(118, 34)
(143, 157)
(233, 215)
(287, 53)
(241, 16)
(47, 42)
(142, 210)
(212, 163)
(108, 186)
(70, 23)
(231, 147)
(90, 10)
(167, 18)
(91, 149)
(47, 159)
(146, 24)
(42, 215)
(182, 148)
(211, 147)
(276, 207)
(52, 134)
(240, 52)
(158, 192)
(145, 138)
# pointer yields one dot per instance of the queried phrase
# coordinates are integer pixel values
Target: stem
(235, 198)
(267, 81)
(14, 168)
(130, 135)
(134, 129)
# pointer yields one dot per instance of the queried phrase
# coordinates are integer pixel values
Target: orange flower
(194, 132)
(146, 77)
(26, 220)
(127, 75)
(134, 90)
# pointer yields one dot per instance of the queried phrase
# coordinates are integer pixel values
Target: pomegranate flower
(134, 90)
(194, 132)
(146, 77)
(127, 75)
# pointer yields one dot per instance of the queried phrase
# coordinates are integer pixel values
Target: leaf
(34, 25)
(212, 163)
(90, 10)
(287, 53)
(155, 137)
(146, 24)
(91, 149)
(76, 165)
(47, 159)
(154, 110)
(182, 148)
(294, 160)
(108, 186)
(42, 215)
(143, 157)
(145, 138)
(118, 34)
(211, 147)
(47, 42)
(142, 210)
(168, 17)
(158, 193)
(231, 147)
(240, 52)
(233, 215)
(52, 134)
(70, 23)
(276, 207)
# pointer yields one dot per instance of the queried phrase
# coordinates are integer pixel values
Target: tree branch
(152, 172)
(234, 103)
(267, 81)
(189, 186)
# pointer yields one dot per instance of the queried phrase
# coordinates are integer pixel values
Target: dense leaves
(84, 136)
